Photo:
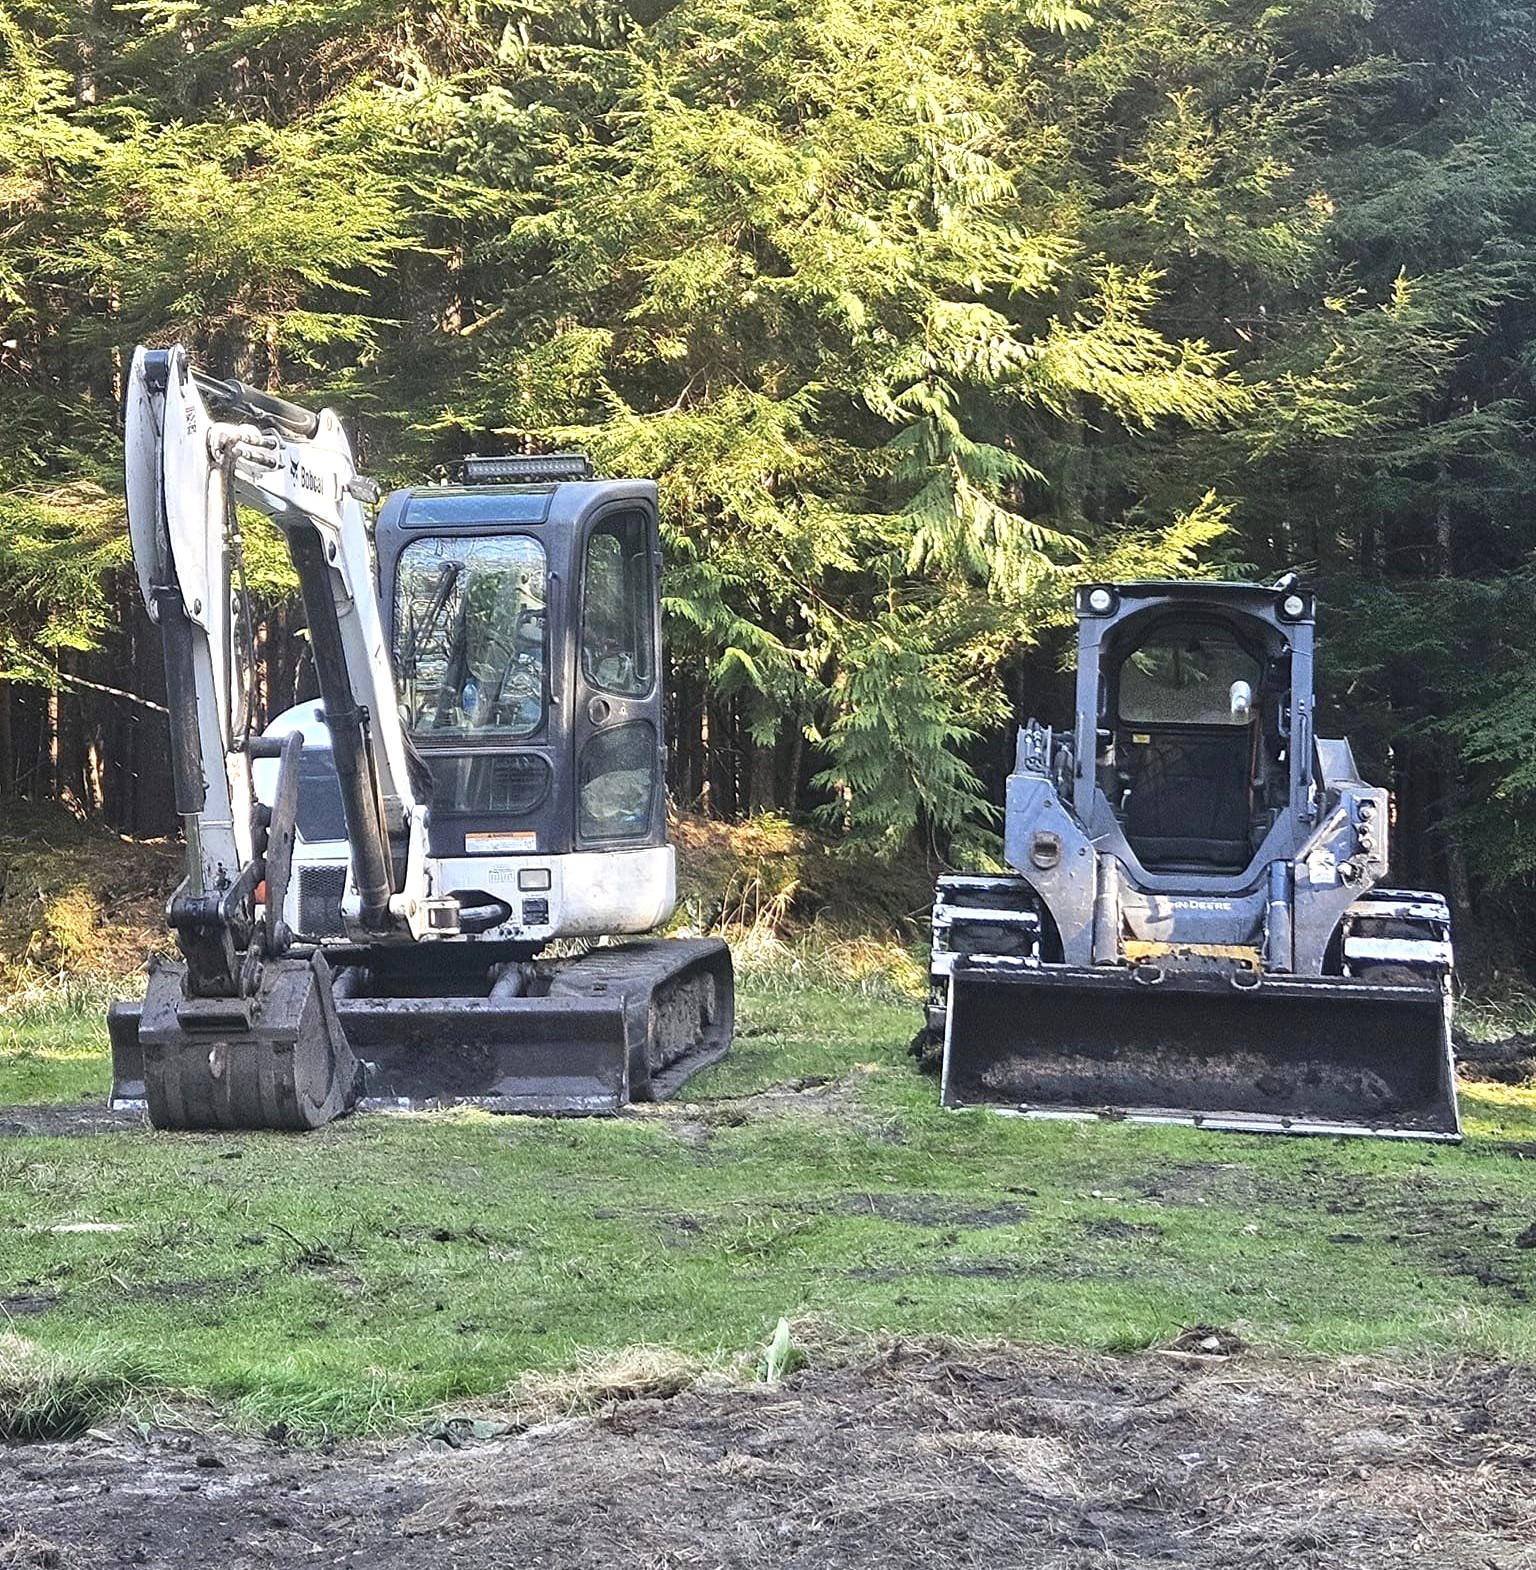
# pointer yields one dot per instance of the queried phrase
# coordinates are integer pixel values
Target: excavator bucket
(275, 1060)
(621, 1024)
(1292, 1054)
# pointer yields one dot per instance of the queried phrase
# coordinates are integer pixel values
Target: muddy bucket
(278, 1059)
(1294, 1054)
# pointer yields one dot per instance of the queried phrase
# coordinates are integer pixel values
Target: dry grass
(737, 874)
(28, 1551)
(597, 1381)
(45, 1395)
(80, 907)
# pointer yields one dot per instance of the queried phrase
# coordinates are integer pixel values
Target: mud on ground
(916, 1456)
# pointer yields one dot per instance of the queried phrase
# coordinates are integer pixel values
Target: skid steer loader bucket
(1300, 1055)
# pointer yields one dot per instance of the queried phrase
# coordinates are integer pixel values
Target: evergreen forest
(921, 312)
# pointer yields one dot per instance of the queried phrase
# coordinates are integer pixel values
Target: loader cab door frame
(1185, 765)
(1116, 622)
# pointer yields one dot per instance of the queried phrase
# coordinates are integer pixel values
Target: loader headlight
(1099, 601)
(1294, 607)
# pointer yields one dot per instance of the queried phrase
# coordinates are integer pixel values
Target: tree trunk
(7, 742)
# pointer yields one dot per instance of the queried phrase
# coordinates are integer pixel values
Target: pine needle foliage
(920, 311)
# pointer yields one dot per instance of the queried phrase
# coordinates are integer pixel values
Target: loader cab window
(1186, 772)
(618, 633)
(1183, 674)
(472, 637)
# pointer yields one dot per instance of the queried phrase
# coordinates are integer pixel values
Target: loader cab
(523, 612)
(1193, 692)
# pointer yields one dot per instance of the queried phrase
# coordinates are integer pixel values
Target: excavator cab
(527, 655)
(523, 619)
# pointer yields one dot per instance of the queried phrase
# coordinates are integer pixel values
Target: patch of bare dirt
(932, 1210)
(693, 1124)
(68, 1118)
(918, 1456)
(1510, 1061)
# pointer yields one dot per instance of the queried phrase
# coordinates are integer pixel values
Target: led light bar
(526, 468)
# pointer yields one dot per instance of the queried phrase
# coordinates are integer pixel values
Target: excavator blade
(1294, 1054)
(276, 1060)
(616, 1025)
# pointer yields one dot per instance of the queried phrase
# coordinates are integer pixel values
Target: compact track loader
(1193, 930)
(374, 883)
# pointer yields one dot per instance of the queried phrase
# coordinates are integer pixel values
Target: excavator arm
(243, 1031)
(186, 471)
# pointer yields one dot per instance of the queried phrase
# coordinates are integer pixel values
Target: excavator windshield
(471, 637)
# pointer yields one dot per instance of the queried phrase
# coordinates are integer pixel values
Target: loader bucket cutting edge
(1302, 1055)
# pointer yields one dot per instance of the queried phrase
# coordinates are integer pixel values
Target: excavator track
(586, 1035)
(589, 1034)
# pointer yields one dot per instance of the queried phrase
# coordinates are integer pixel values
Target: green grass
(55, 1051)
(1512, 1013)
(388, 1265)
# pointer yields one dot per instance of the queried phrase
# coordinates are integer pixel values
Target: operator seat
(1190, 803)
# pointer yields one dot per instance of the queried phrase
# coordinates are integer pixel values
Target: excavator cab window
(617, 634)
(472, 637)
(1188, 736)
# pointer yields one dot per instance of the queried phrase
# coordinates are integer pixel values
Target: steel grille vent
(320, 893)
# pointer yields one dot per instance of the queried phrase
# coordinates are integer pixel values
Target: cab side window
(618, 634)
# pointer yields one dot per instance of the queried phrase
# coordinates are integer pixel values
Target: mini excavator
(405, 892)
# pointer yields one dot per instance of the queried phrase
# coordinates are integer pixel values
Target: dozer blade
(1300, 1055)
(276, 1060)
(548, 1055)
(620, 1024)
